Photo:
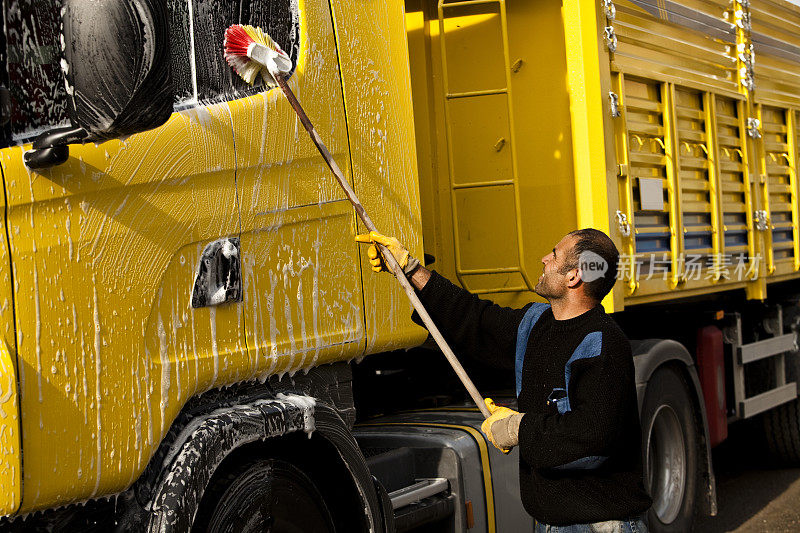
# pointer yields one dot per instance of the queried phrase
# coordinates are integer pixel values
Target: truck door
(104, 251)
(302, 285)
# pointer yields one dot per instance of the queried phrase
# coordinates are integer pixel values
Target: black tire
(782, 433)
(263, 495)
(670, 444)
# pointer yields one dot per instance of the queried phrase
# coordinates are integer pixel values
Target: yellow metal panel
(778, 146)
(688, 43)
(762, 187)
(734, 177)
(10, 449)
(654, 290)
(704, 45)
(481, 212)
(475, 38)
(105, 249)
(6, 293)
(543, 125)
(543, 130)
(10, 438)
(673, 184)
(585, 90)
(542, 109)
(433, 212)
(793, 161)
(669, 133)
(302, 283)
(425, 62)
(712, 151)
(645, 135)
(480, 131)
(776, 40)
(680, 77)
(707, 237)
(373, 60)
(302, 290)
(538, 115)
(588, 80)
(685, 110)
(482, 145)
(627, 267)
(695, 150)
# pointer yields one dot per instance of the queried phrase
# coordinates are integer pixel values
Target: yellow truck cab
(182, 298)
(172, 232)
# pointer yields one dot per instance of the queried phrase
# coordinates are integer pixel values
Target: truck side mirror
(116, 63)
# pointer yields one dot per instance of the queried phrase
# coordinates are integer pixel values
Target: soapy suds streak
(165, 370)
(97, 391)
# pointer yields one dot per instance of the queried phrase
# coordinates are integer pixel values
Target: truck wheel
(782, 432)
(669, 443)
(265, 495)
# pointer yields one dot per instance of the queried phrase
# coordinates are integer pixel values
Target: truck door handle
(218, 278)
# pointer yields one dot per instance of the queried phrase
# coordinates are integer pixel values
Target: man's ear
(574, 278)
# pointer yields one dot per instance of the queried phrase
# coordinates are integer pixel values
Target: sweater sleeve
(599, 396)
(476, 328)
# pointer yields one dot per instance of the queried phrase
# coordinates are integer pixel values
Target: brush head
(251, 51)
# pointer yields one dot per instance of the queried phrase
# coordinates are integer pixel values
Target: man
(578, 426)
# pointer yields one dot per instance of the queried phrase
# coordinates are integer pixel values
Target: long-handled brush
(251, 52)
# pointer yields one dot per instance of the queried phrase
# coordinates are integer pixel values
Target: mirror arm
(51, 148)
(56, 136)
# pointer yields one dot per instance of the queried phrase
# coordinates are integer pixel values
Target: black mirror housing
(117, 65)
(116, 61)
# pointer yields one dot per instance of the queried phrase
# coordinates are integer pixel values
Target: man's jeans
(634, 525)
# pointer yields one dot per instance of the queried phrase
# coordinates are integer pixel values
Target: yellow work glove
(502, 428)
(404, 259)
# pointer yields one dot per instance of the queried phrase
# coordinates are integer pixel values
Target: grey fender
(204, 443)
(648, 356)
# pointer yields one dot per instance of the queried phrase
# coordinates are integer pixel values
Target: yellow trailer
(673, 127)
(650, 120)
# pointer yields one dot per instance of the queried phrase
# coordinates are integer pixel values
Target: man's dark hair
(595, 241)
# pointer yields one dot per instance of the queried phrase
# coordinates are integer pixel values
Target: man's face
(552, 283)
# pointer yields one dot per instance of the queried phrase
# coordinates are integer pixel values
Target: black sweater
(603, 420)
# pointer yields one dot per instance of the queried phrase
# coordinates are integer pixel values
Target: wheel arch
(219, 423)
(208, 441)
(649, 355)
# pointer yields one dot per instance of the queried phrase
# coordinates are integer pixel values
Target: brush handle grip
(387, 255)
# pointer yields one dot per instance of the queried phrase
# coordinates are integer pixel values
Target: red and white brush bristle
(240, 43)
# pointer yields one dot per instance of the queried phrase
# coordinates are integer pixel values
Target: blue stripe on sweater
(590, 346)
(523, 334)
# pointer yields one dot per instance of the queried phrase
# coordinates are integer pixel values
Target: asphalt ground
(753, 494)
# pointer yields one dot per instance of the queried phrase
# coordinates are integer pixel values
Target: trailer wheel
(782, 432)
(264, 495)
(670, 446)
